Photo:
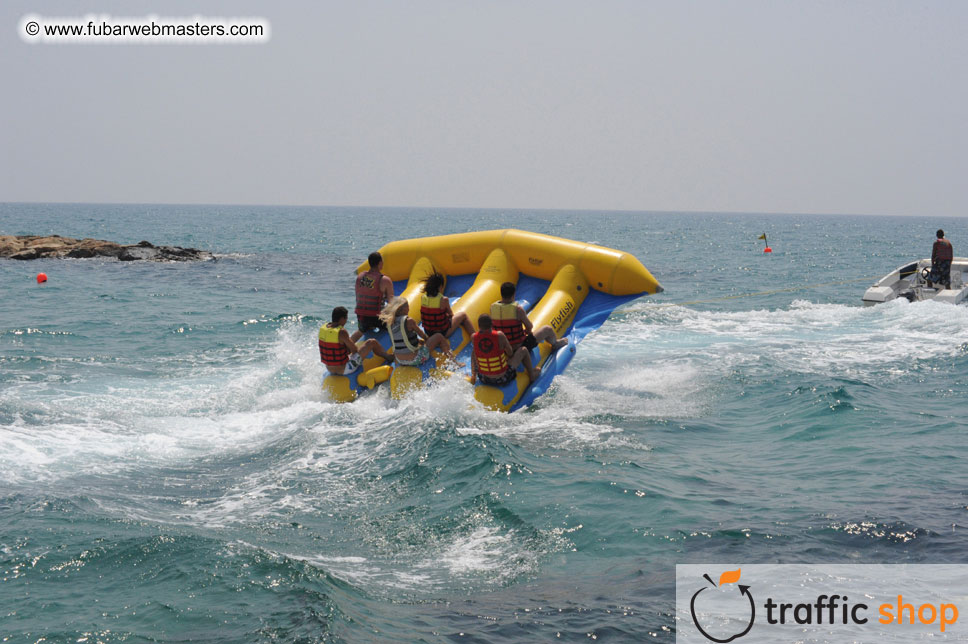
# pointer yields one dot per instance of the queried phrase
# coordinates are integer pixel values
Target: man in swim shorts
(373, 290)
(493, 359)
(510, 319)
(339, 352)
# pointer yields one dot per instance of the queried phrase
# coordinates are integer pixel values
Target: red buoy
(41, 278)
(765, 243)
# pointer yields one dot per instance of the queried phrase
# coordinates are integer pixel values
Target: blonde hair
(389, 312)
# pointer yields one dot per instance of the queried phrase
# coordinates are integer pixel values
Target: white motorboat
(911, 282)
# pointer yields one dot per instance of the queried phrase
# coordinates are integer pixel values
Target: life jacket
(369, 297)
(942, 250)
(331, 351)
(505, 318)
(491, 359)
(404, 340)
(434, 318)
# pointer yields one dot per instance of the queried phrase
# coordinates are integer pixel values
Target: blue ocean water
(170, 472)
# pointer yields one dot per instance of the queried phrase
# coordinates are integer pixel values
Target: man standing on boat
(373, 290)
(941, 255)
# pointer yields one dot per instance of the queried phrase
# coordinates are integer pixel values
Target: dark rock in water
(37, 247)
(31, 253)
(94, 248)
(135, 253)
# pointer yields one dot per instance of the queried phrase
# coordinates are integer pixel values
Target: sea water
(170, 470)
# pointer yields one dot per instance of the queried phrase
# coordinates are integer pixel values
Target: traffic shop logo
(731, 603)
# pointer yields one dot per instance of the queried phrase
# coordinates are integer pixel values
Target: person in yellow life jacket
(411, 346)
(339, 352)
(493, 361)
(436, 316)
(373, 290)
(510, 319)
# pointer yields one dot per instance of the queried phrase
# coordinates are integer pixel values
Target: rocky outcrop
(37, 247)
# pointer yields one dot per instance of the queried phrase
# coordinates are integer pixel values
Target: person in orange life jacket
(411, 346)
(493, 359)
(941, 255)
(373, 290)
(436, 316)
(339, 352)
(509, 318)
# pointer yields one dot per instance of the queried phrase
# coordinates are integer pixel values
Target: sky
(827, 107)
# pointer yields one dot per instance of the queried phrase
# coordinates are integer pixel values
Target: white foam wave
(238, 402)
(480, 551)
(477, 551)
(648, 363)
(98, 426)
(484, 549)
(829, 339)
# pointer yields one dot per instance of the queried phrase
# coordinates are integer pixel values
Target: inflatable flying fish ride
(571, 286)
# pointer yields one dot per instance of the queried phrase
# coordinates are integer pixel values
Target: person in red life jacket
(436, 316)
(338, 352)
(493, 360)
(941, 255)
(510, 319)
(373, 290)
(411, 346)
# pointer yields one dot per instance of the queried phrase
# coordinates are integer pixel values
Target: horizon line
(470, 208)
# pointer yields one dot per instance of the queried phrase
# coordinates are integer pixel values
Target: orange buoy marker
(767, 249)
(41, 278)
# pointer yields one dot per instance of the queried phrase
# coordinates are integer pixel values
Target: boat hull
(910, 282)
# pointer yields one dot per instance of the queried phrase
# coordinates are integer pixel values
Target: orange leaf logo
(729, 577)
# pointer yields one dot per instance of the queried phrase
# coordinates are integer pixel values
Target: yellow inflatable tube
(498, 256)
(534, 254)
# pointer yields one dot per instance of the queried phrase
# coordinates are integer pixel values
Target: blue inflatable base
(590, 315)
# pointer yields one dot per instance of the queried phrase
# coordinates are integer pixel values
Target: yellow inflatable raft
(571, 286)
